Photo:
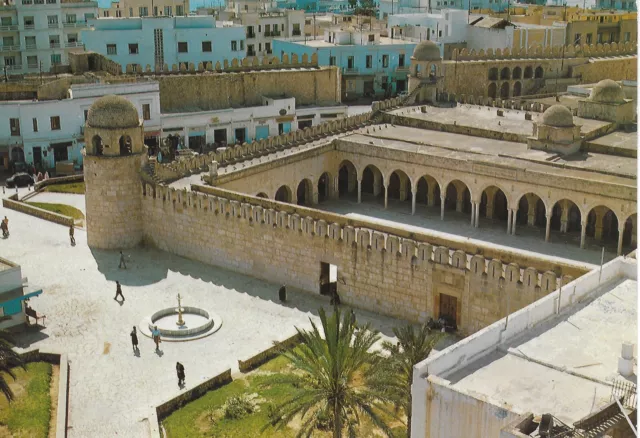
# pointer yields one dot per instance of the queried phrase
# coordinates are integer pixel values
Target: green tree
(367, 7)
(333, 387)
(414, 345)
(8, 360)
(353, 4)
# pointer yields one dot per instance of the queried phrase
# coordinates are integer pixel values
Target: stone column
(336, 188)
(583, 232)
(386, 197)
(459, 200)
(403, 189)
(547, 233)
(413, 202)
(473, 212)
(477, 215)
(431, 196)
(185, 132)
(515, 219)
(599, 224)
(620, 236)
(531, 210)
(490, 195)
(509, 219)
(564, 217)
(314, 195)
(442, 210)
(359, 191)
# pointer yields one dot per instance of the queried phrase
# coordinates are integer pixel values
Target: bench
(32, 313)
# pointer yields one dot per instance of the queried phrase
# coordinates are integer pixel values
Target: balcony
(350, 71)
(29, 26)
(267, 33)
(251, 53)
(54, 45)
(75, 24)
(71, 44)
(31, 47)
(250, 35)
(13, 48)
(275, 33)
(54, 25)
(32, 66)
(12, 67)
(10, 27)
(402, 68)
(296, 33)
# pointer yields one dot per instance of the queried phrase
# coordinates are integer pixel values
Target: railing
(32, 66)
(12, 67)
(29, 26)
(251, 35)
(402, 68)
(275, 33)
(13, 48)
(9, 27)
(251, 53)
(76, 24)
(54, 45)
(73, 44)
(350, 70)
(267, 33)
(296, 33)
(269, 52)
(54, 25)
(31, 47)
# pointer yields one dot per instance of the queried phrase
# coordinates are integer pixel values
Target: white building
(38, 34)
(13, 293)
(45, 132)
(444, 26)
(565, 357)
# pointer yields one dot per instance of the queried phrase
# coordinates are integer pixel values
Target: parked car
(20, 180)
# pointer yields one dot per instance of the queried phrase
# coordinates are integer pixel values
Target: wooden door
(448, 307)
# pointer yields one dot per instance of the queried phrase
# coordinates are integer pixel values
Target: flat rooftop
(563, 365)
(592, 166)
(618, 139)
(384, 41)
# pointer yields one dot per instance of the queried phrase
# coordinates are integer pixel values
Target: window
(9, 60)
(259, 47)
(143, 11)
(267, 30)
(206, 46)
(52, 20)
(118, 14)
(296, 29)
(589, 38)
(577, 39)
(385, 61)
(130, 12)
(250, 50)
(56, 59)
(134, 68)
(105, 14)
(168, 10)
(146, 111)
(267, 48)
(627, 36)
(599, 38)
(250, 32)
(35, 125)
(350, 62)
(7, 41)
(38, 2)
(179, 10)
(5, 21)
(624, 5)
(14, 124)
(155, 11)
(372, 38)
(133, 49)
(30, 42)
(241, 44)
(71, 18)
(86, 114)
(32, 61)
(72, 38)
(27, 2)
(111, 49)
(183, 47)
(55, 123)
(234, 46)
(369, 61)
(29, 23)
(401, 60)
(332, 60)
(54, 41)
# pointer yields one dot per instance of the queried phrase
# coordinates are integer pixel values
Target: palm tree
(336, 367)
(8, 360)
(413, 346)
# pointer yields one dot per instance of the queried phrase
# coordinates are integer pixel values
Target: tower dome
(558, 116)
(113, 112)
(607, 91)
(426, 51)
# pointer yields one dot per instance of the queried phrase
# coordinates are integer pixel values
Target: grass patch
(30, 414)
(76, 187)
(205, 417)
(64, 209)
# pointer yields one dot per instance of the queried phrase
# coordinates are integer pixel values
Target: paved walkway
(112, 391)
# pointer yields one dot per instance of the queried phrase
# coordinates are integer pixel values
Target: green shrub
(238, 407)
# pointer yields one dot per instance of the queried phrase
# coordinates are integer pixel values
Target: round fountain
(182, 323)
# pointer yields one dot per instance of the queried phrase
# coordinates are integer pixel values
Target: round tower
(115, 153)
(425, 71)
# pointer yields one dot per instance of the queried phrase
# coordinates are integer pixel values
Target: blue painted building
(164, 41)
(371, 65)
(335, 6)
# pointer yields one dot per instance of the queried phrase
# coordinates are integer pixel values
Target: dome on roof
(113, 112)
(426, 51)
(558, 116)
(607, 91)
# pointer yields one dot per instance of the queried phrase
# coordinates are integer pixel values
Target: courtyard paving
(112, 391)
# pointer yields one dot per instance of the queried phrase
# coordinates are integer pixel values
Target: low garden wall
(60, 180)
(264, 356)
(13, 204)
(62, 418)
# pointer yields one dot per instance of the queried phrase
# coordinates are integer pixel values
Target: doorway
(448, 309)
(37, 157)
(220, 137)
(328, 279)
(241, 135)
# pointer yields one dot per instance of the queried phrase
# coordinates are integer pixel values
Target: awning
(14, 306)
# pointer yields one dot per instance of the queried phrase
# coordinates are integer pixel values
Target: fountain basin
(198, 323)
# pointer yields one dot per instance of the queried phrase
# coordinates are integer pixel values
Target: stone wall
(23, 207)
(312, 86)
(379, 271)
(265, 356)
(59, 180)
(556, 52)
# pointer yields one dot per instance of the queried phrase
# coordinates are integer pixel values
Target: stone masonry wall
(377, 271)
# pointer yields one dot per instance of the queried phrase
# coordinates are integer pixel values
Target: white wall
(483, 38)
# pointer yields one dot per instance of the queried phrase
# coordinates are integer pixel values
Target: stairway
(150, 170)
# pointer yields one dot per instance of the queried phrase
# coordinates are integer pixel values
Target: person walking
(122, 263)
(156, 336)
(180, 372)
(134, 339)
(282, 293)
(5, 231)
(353, 318)
(118, 291)
(71, 235)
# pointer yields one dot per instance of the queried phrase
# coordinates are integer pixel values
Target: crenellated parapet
(516, 104)
(557, 52)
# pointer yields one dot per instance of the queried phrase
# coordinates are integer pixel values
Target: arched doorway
(517, 73)
(262, 195)
(531, 211)
(458, 197)
(491, 92)
(372, 183)
(399, 186)
(629, 235)
(528, 72)
(566, 217)
(17, 155)
(304, 192)
(125, 145)
(324, 187)
(517, 89)
(602, 225)
(505, 74)
(504, 90)
(493, 204)
(539, 73)
(347, 179)
(96, 143)
(493, 74)
(428, 191)
(283, 194)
